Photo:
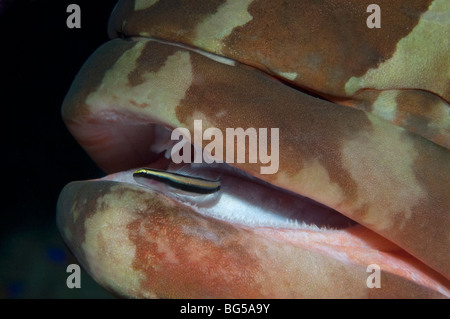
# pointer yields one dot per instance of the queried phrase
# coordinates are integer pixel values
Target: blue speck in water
(56, 255)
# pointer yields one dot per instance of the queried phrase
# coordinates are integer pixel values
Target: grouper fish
(358, 205)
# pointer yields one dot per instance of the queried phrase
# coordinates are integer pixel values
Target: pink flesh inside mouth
(124, 144)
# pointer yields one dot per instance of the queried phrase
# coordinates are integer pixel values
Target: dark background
(40, 57)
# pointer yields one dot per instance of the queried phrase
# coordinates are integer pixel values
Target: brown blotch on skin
(325, 42)
(416, 110)
(148, 61)
(416, 101)
(167, 20)
(310, 128)
(201, 258)
(141, 105)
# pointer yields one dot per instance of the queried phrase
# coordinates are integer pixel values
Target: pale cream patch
(209, 55)
(160, 91)
(421, 59)
(144, 4)
(108, 249)
(74, 212)
(215, 28)
(207, 122)
(441, 117)
(288, 75)
(314, 182)
(144, 33)
(381, 162)
(216, 57)
(385, 105)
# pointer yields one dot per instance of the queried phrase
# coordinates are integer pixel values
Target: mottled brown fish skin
(376, 148)
(336, 155)
(325, 47)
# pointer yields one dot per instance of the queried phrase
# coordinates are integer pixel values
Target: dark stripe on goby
(166, 179)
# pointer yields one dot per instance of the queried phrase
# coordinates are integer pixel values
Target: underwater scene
(226, 149)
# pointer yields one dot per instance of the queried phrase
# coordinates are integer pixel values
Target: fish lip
(225, 60)
(90, 191)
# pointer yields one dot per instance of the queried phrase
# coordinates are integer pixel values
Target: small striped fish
(183, 182)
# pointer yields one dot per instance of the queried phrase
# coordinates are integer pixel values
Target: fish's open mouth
(253, 226)
(259, 203)
(249, 203)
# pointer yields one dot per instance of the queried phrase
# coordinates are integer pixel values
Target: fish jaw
(113, 128)
(142, 244)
